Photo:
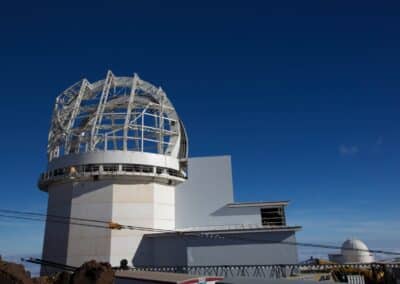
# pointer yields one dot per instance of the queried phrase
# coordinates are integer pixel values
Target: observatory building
(118, 155)
(353, 251)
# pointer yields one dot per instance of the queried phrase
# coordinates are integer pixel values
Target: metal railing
(272, 271)
(87, 171)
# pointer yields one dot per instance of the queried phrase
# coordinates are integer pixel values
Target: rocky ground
(91, 272)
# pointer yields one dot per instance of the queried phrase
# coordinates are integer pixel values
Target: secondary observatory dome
(113, 123)
(356, 251)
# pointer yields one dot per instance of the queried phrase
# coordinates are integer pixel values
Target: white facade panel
(131, 211)
(89, 201)
(208, 188)
(201, 201)
(145, 205)
(164, 212)
(164, 194)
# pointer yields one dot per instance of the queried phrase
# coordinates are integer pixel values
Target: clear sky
(305, 96)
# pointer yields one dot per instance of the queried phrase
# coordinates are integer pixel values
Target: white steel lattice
(117, 113)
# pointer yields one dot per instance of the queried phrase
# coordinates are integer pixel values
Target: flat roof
(258, 204)
(164, 277)
(260, 229)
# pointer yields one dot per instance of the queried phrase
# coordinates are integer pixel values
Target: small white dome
(352, 245)
(356, 251)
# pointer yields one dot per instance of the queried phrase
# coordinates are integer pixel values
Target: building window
(273, 216)
(110, 168)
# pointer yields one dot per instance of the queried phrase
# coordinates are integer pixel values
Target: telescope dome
(356, 251)
(117, 113)
(117, 126)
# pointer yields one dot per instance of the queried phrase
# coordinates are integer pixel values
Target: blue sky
(303, 95)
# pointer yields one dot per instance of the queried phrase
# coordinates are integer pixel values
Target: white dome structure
(356, 251)
(120, 126)
(353, 251)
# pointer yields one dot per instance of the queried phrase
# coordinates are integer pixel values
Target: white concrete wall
(208, 188)
(201, 200)
(146, 205)
(250, 249)
(164, 207)
(90, 200)
(55, 244)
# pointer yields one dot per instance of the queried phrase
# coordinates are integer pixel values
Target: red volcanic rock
(12, 273)
(93, 272)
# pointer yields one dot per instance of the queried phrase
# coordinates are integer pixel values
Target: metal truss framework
(117, 113)
(272, 271)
